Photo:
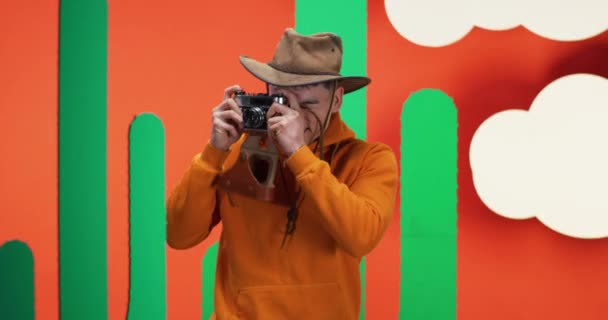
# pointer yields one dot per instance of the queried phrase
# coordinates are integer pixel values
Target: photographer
(297, 259)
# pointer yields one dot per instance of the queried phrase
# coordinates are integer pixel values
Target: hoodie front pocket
(312, 301)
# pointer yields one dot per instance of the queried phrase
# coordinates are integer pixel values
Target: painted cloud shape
(438, 23)
(551, 161)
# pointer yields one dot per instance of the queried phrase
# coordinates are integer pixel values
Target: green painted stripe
(147, 291)
(82, 159)
(428, 207)
(362, 267)
(16, 281)
(348, 19)
(208, 278)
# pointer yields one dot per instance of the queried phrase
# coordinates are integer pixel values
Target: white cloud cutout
(436, 23)
(551, 161)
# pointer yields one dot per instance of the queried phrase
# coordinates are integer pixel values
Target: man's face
(314, 101)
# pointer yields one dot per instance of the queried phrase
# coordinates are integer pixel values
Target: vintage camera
(254, 108)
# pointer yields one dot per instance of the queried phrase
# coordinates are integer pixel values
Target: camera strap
(292, 212)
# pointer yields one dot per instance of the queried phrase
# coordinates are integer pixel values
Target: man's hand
(286, 125)
(227, 121)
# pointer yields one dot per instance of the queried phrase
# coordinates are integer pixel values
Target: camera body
(255, 107)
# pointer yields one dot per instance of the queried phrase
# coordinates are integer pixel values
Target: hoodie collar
(337, 131)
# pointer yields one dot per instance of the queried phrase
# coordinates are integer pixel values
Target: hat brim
(275, 77)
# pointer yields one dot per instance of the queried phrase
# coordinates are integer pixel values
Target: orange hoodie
(344, 213)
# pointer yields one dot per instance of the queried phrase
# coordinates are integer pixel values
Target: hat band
(299, 72)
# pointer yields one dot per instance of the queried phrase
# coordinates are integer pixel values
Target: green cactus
(16, 281)
(82, 159)
(362, 267)
(428, 207)
(147, 289)
(208, 278)
(348, 18)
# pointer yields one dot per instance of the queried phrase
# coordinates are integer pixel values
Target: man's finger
(234, 106)
(230, 114)
(276, 126)
(228, 92)
(226, 127)
(272, 112)
(277, 108)
(278, 123)
(272, 121)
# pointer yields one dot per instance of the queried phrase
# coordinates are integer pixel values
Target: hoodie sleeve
(357, 215)
(191, 207)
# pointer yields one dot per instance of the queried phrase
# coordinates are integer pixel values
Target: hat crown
(319, 53)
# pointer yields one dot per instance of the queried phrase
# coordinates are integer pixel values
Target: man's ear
(338, 96)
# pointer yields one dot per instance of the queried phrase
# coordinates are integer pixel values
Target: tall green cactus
(16, 281)
(208, 278)
(428, 207)
(147, 290)
(82, 159)
(348, 18)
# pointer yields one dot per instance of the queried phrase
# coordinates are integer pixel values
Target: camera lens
(254, 117)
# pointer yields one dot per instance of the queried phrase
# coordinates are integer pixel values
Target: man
(296, 261)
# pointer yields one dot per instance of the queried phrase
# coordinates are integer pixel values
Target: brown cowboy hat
(302, 60)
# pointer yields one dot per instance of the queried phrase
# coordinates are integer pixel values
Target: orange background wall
(174, 59)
